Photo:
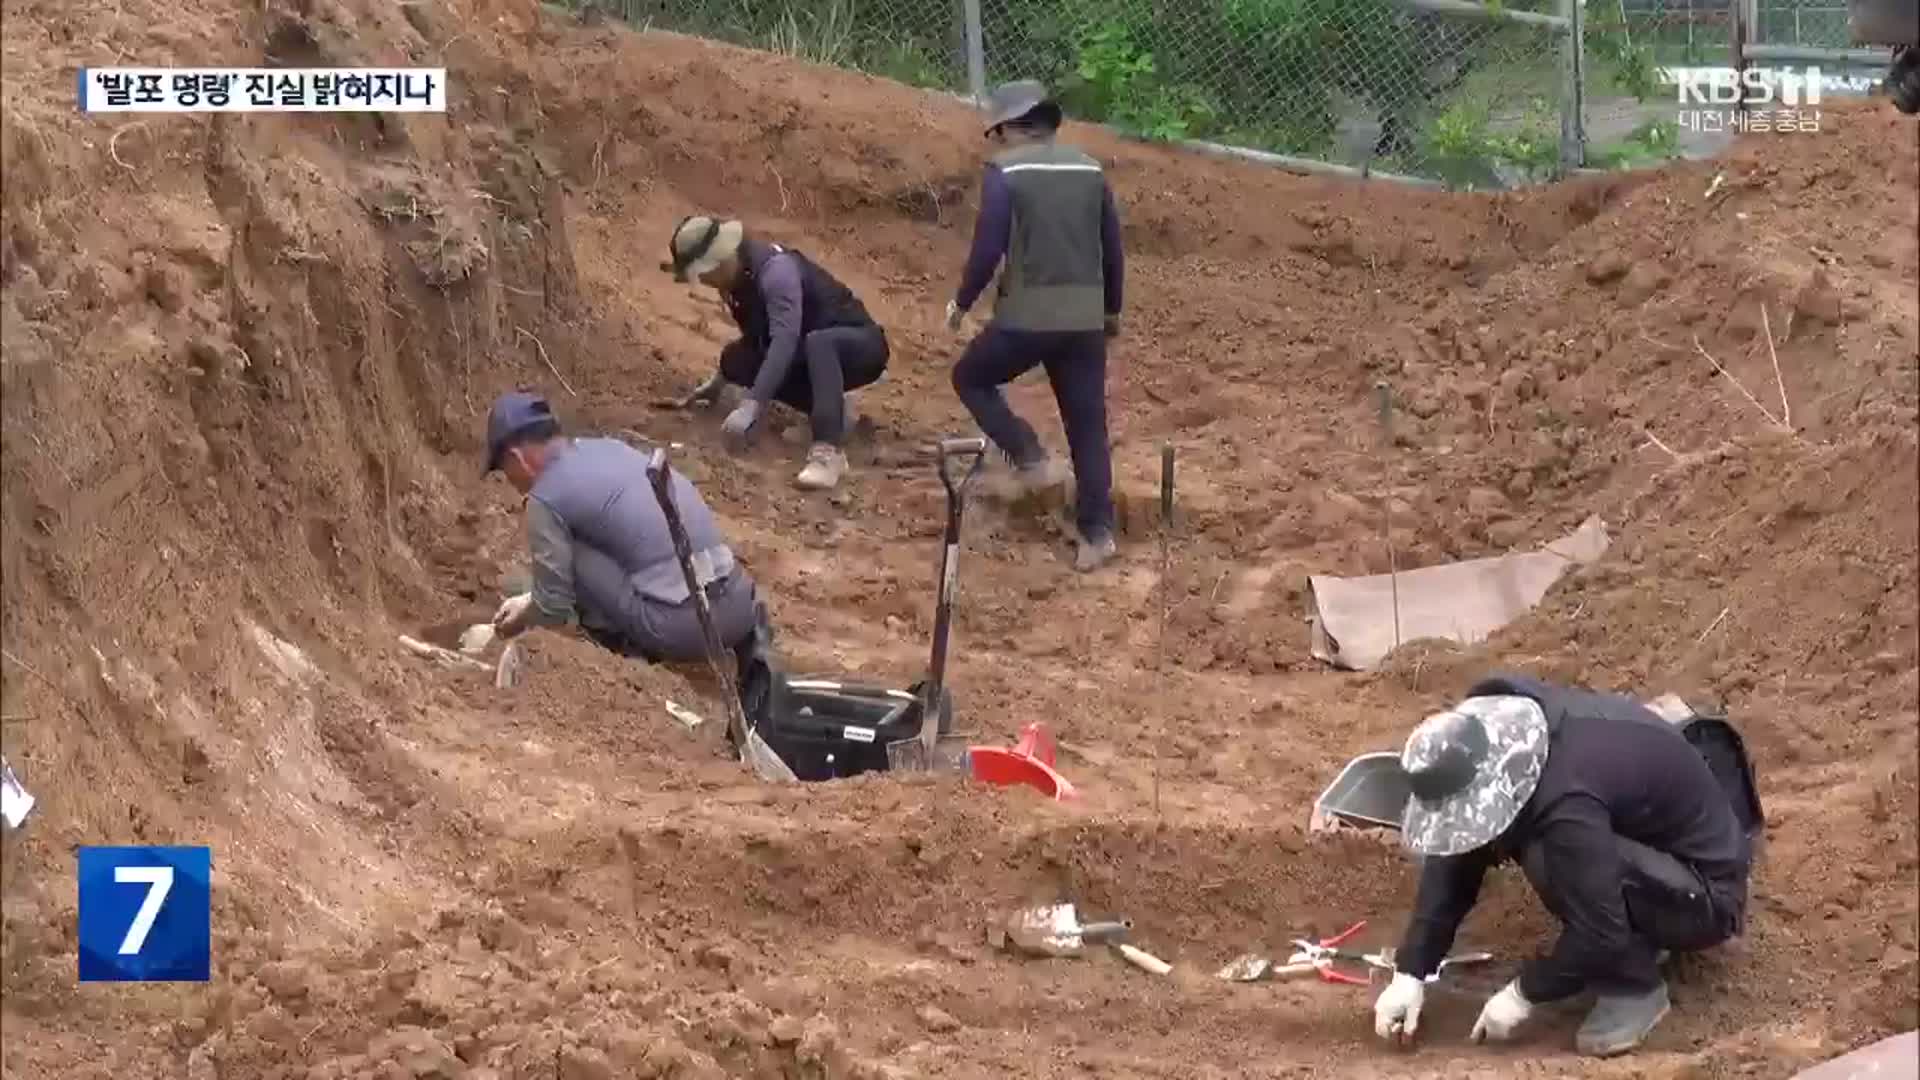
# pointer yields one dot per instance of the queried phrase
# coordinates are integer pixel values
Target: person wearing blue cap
(600, 546)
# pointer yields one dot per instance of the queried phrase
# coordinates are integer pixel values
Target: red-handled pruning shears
(1318, 956)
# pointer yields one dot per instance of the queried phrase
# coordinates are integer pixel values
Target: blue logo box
(146, 914)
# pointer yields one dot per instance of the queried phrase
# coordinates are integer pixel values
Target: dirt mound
(245, 362)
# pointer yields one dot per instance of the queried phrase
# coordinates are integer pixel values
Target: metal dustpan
(1370, 793)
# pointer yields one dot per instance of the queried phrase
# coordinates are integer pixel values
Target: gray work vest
(1054, 276)
(599, 487)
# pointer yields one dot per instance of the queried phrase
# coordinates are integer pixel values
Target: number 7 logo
(159, 932)
(159, 882)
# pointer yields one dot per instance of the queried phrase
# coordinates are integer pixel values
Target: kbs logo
(146, 914)
(1754, 86)
(1751, 100)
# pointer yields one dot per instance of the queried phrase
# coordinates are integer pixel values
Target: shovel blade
(766, 764)
(950, 753)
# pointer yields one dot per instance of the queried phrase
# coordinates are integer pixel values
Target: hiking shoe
(825, 464)
(1095, 553)
(1042, 475)
(1618, 1023)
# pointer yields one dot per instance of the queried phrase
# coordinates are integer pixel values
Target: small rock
(1516, 384)
(1642, 282)
(585, 1063)
(284, 979)
(1606, 267)
(1817, 300)
(936, 1021)
(1520, 485)
(1886, 663)
(165, 288)
(786, 1030)
(1486, 502)
(1506, 535)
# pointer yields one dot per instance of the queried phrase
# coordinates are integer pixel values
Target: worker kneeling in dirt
(805, 339)
(1618, 823)
(601, 547)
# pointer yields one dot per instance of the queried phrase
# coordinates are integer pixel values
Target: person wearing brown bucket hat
(1618, 823)
(1048, 223)
(805, 340)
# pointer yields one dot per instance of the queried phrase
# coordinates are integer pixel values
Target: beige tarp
(1353, 618)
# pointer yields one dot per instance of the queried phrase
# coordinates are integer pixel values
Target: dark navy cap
(513, 413)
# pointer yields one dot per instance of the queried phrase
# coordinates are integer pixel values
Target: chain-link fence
(1700, 32)
(1469, 94)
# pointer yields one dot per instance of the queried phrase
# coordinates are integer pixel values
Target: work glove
(954, 315)
(512, 613)
(1113, 325)
(1504, 1012)
(739, 423)
(1397, 1010)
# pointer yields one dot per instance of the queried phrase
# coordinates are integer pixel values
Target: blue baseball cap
(514, 413)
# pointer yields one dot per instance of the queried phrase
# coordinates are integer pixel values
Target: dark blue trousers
(1076, 364)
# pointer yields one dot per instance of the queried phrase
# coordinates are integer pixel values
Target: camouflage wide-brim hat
(1471, 769)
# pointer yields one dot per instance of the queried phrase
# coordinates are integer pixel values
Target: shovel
(753, 749)
(931, 751)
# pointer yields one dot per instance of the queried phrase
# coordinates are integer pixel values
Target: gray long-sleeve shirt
(782, 292)
(551, 546)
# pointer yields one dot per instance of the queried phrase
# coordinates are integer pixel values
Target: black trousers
(832, 361)
(1670, 905)
(1076, 365)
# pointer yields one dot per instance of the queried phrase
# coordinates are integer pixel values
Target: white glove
(506, 621)
(739, 423)
(1397, 1010)
(1504, 1012)
(475, 639)
(954, 315)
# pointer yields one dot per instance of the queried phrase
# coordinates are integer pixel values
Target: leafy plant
(1650, 143)
(1116, 80)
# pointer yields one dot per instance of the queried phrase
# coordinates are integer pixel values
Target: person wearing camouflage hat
(1048, 214)
(1618, 823)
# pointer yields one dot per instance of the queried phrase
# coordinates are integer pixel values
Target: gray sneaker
(1617, 1024)
(1095, 553)
(1047, 473)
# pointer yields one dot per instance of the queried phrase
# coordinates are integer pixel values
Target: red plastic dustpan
(1029, 762)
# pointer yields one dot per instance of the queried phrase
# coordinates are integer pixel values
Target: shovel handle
(660, 477)
(952, 448)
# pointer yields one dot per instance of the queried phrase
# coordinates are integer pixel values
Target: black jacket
(824, 301)
(1613, 769)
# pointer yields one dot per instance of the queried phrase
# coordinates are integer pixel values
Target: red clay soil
(245, 364)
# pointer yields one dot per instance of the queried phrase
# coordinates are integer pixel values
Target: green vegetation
(1650, 144)
(1363, 82)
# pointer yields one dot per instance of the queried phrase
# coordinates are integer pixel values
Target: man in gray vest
(600, 546)
(1047, 212)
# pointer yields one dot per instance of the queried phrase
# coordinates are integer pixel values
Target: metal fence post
(1573, 98)
(975, 38)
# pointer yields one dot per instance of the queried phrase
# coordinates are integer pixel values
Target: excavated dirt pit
(246, 361)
